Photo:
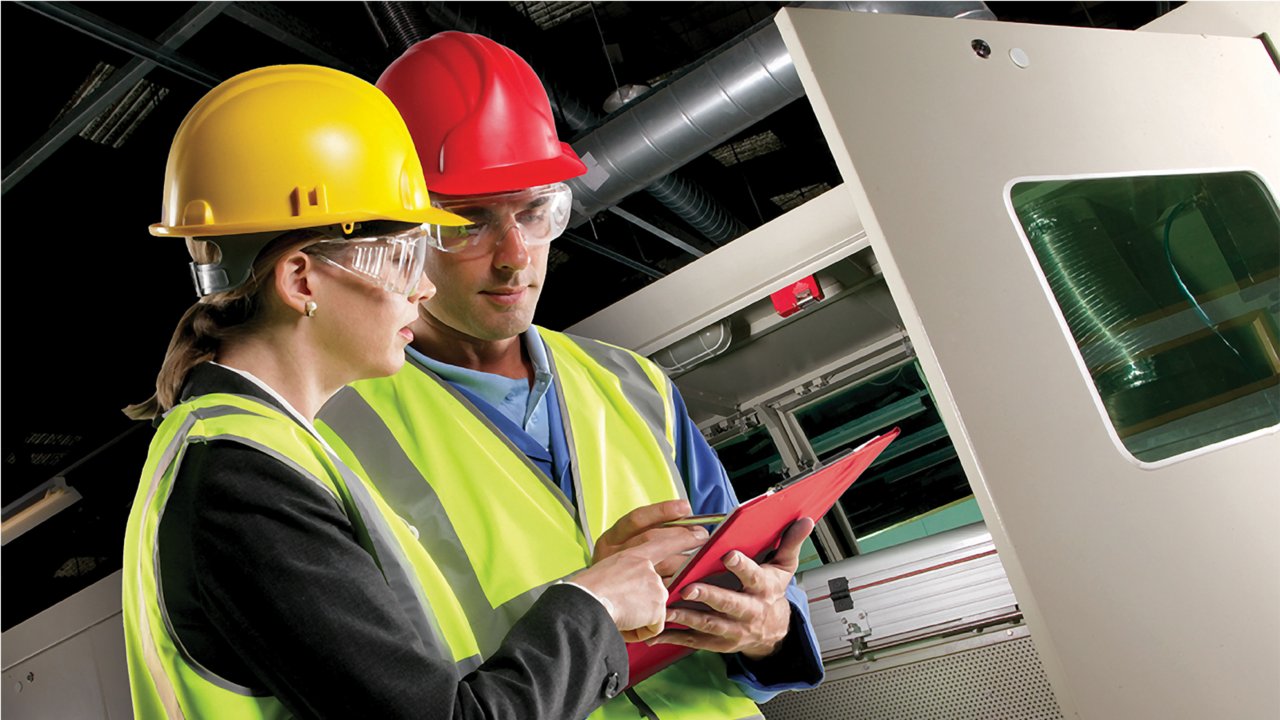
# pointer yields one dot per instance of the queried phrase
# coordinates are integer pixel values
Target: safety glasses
(541, 214)
(394, 261)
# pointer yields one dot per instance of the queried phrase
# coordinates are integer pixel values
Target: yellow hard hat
(288, 147)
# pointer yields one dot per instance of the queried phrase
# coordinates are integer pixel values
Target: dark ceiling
(93, 326)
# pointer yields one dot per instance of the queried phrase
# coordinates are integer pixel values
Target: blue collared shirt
(522, 405)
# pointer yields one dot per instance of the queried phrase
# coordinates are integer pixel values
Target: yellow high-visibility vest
(499, 528)
(166, 682)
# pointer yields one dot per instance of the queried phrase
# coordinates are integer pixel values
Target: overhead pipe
(404, 26)
(716, 100)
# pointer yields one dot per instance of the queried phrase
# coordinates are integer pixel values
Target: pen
(696, 520)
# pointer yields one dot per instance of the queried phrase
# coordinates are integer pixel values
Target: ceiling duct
(113, 126)
(401, 26)
(624, 95)
(711, 103)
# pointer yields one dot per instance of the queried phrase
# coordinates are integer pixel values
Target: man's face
(489, 293)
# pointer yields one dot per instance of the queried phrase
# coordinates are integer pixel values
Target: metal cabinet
(1150, 585)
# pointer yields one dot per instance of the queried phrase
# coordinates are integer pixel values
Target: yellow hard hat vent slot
(310, 202)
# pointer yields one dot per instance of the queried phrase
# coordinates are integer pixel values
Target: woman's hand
(631, 587)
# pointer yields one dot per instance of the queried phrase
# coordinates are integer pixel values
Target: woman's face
(363, 329)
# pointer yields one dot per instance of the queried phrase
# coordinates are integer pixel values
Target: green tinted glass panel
(917, 474)
(1170, 286)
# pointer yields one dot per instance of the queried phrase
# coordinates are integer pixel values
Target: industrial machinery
(1055, 264)
(787, 348)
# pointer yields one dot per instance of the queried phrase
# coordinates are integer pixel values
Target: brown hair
(213, 319)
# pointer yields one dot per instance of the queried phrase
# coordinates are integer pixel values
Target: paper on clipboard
(754, 528)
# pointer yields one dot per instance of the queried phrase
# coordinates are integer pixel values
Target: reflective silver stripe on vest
(638, 389)
(409, 494)
(574, 473)
(182, 439)
(164, 684)
(399, 576)
(395, 569)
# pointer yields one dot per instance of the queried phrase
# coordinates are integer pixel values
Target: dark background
(90, 298)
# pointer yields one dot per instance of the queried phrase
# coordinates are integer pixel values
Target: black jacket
(266, 586)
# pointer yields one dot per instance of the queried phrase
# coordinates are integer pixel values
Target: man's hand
(644, 525)
(752, 621)
(632, 592)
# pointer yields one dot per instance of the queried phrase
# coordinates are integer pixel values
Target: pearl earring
(311, 308)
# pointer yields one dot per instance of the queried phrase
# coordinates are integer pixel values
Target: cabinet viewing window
(1170, 287)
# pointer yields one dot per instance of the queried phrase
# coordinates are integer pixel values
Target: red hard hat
(478, 116)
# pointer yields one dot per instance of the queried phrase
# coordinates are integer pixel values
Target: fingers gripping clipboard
(755, 528)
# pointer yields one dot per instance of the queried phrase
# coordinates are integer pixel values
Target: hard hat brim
(508, 178)
(431, 215)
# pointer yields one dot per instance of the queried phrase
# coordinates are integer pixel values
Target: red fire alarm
(794, 298)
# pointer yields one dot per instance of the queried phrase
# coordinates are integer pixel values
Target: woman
(262, 577)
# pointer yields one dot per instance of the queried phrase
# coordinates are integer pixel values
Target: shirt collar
(537, 354)
(532, 344)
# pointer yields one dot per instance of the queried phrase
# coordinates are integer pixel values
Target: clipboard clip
(807, 469)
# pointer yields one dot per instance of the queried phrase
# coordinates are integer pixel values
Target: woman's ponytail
(212, 320)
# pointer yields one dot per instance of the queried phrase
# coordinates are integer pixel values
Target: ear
(294, 276)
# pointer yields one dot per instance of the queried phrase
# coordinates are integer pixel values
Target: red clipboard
(755, 528)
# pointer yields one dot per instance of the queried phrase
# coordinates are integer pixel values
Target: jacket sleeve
(798, 663)
(279, 596)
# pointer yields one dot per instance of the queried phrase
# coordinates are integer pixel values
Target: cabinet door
(1079, 229)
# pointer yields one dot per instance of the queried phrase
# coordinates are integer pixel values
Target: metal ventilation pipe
(669, 127)
(403, 26)
(711, 103)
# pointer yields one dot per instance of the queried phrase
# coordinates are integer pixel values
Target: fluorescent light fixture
(115, 124)
(796, 198)
(747, 148)
(550, 14)
(35, 507)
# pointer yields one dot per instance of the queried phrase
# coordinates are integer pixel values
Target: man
(519, 455)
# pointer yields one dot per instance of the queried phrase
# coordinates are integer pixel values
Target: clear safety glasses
(540, 213)
(394, 261)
